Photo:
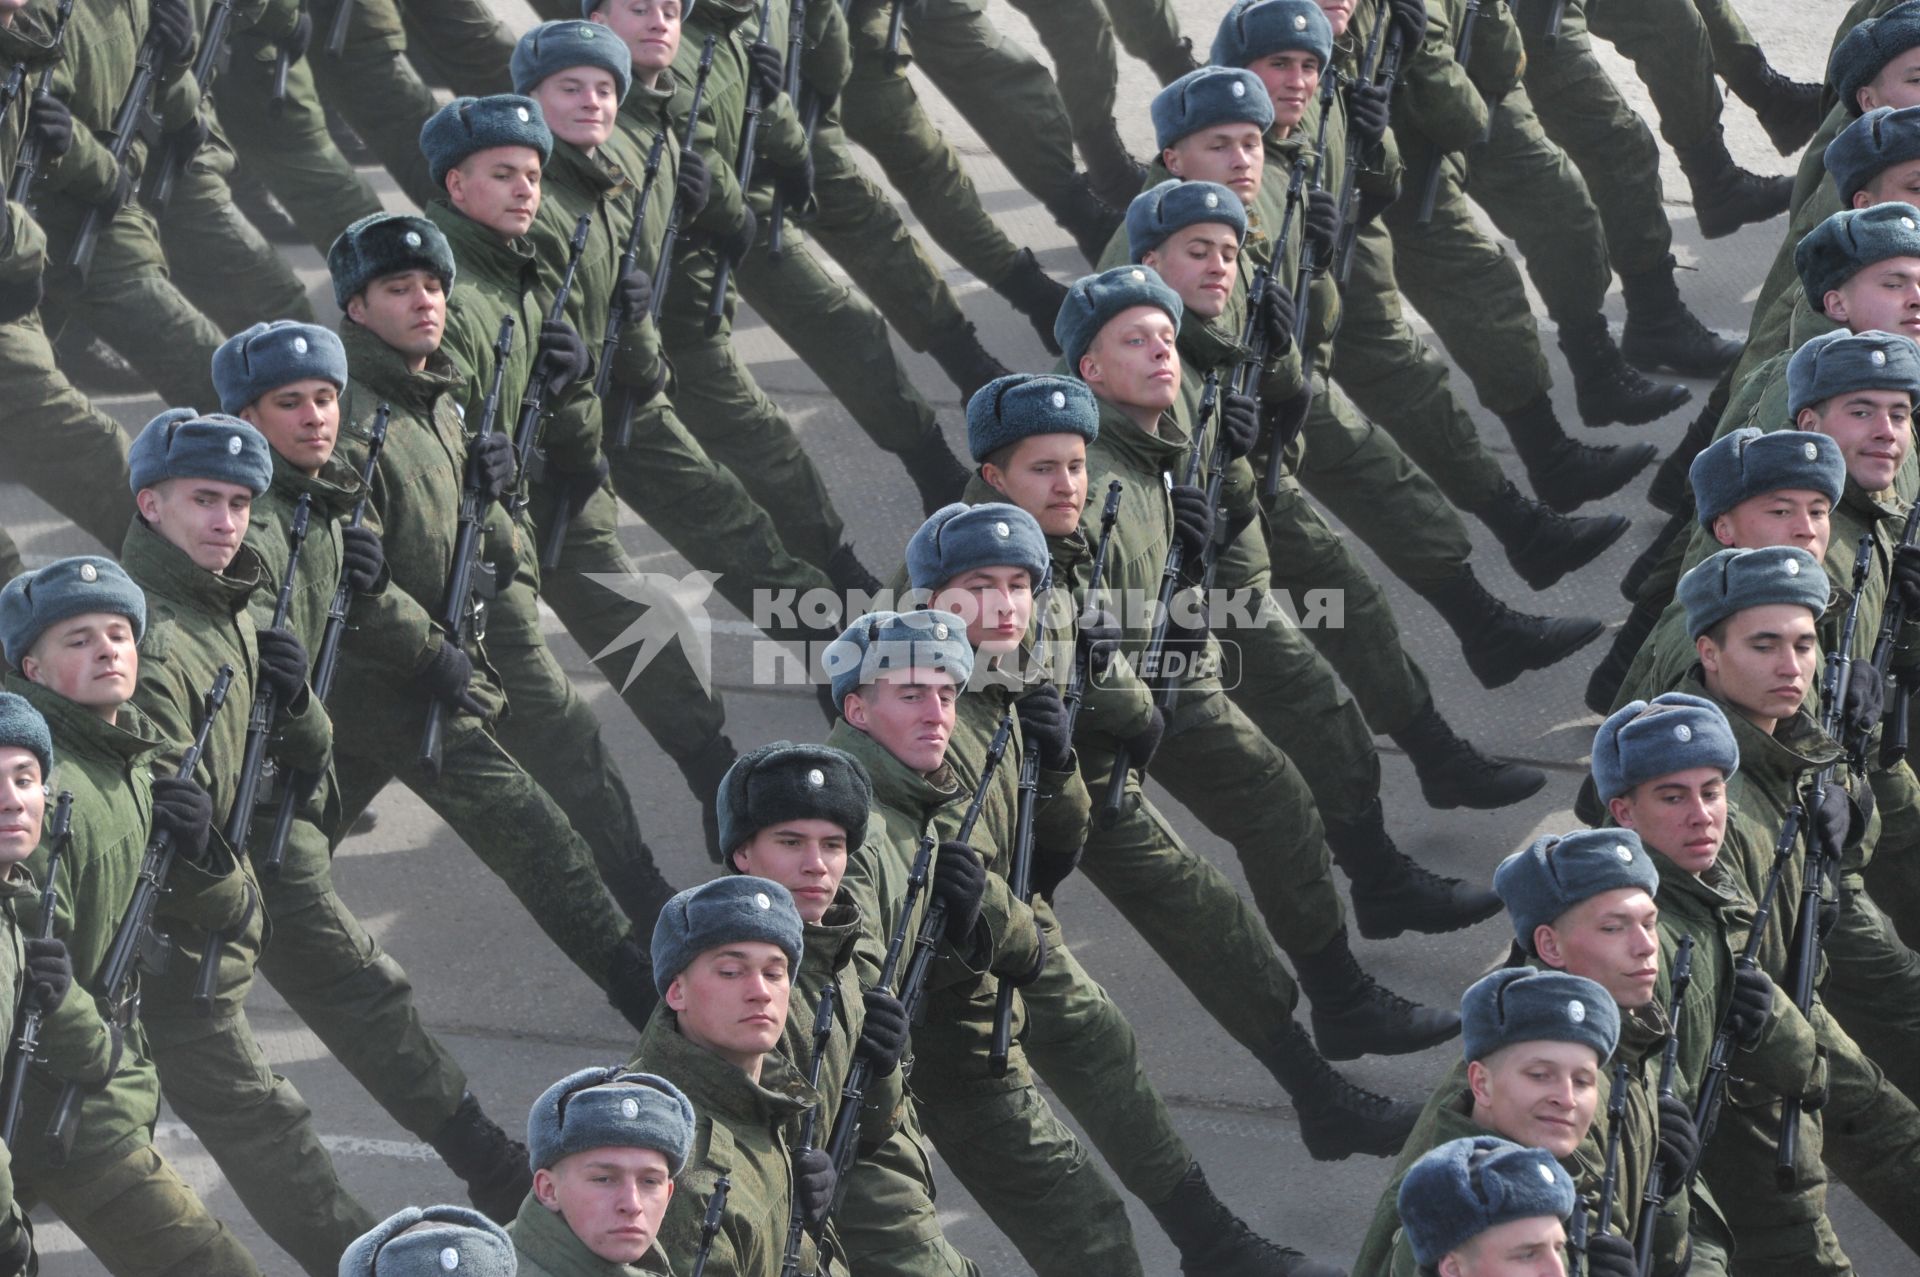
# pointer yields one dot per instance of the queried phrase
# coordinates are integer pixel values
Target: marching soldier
(431, 1242)
(1483, 1205)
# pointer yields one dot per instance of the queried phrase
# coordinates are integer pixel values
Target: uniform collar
(1776, 761)
(896, 785)
(1163, 451)
(132, 738)
(380, 371)
(544, 1237)
(164, 571)
(334, 490)
(720, 1089)
(479, 252)
(592, 175)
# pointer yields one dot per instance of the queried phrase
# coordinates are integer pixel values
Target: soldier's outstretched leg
(1079, 40)
(1789, 110)
(371, 84)
(463, 40)
(216, 255)
(138, 1218)
(72, 455)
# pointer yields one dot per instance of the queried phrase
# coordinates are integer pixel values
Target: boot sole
(1491, 679)
(1520, 794)
(1460, 923)
(1343, 1051)
(1702, 371)
(1327, 1151)
(1598, 546)
(1653, 408)
(1568, 502)
(1721, 225)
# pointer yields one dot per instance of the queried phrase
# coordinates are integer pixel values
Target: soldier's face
(407, 311)
(91, 659)
(1897, 85)
(1517, 1248)
(1766, 663)
(1884, 297)
(995, 602)
(651, 29)
(1613, 939)
(1292, 77)
(910, 713)
(301, 420)
(612, 1198)
(580, 104)
(1874, 429)
(1789, 517)
(23, 803)
(732, 1001)
(1683, 816)
(1339, 14)
(1900, 182)
(1045, 475)
(1230, 154)
(807, 857)
(498, 188)
(1540, 1094)
(205, 518)
(1198, 262)
(1134, 362)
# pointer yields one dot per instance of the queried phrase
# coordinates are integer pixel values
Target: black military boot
(94, 366)
(1672, 487)
(1726, 196)
(703, 772)
(1116, 177)
(630, 982)
(1454, 774)
(1173, 62)
(935, 471)
(1544, 545)
(1355, 1015)
(849, 575)
(1603, 685)
(1337, 1118)
(266, 213)
(1499, 643)
(1662, 333)
(1564, 474)
(1215, 1242)
(1606, 387)
(1789, 110)
(965, 361)
(1090, 220)
(351, 144)
(493, 1165)
(1392, 893)
(1035, 294)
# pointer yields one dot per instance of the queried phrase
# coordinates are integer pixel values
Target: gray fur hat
(724, 911)
(782, 781)
(21, 725)
(1522, 1004)
(1095, 299)
(1559, 871)
(960, 537)
(457, 1242)
(1749, 462)
(33, 601)
(1871, 145)
(1839, 363)
(556, 46)
(1858, 58)
(882, 641)
(1208, 96)
(1174, 205)
(1675, 732)
(1469, 1185)
(1011, 408)
(1733, 580)
(1850, 241)
(609, 1108)
(1253, 29)
(381, 244)
(467, 126)
(266, 357)
(181, 444)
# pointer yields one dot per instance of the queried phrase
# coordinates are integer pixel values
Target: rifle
(809, 105)
(337, 29)
(114, 982)
(743, 158)
(1577, 1237)
(282, 67)
(27, 161)
(1244, 380)
(266, 707)
(461, 612)
(157, 189)
(1437, 162)
(617, 402)
(1616, 1125)
(1805, 956)
(327, 661)
(1893, 737)
(822, 1036)
(1547, 16)
(710, 1226)
(1382, 72)
(1655, 1192)
(533, 406)
(1297, 196)
(1021, 876)
(896, 26)
(26, 1043)
(121, 135)
(663, 264)
(1170, 584)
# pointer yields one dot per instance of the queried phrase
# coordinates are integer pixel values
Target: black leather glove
(1321, 224)
(18, 300)
(1051, 868)
(1906, 577)
(1277, 318)
(184, 812)
(1101, 633)
(1611, 1255)
(737, 243)
(1043, 726)
(794, 181)
(883, 1034)
(491, 463)
(49, 971)
(959, 879)
(692, 186)
(50, 126)
(1679, 1142)
(1373, 203)
(1141, 746)
(446, 677)
(1192, 520)
(1866, 701)
(1286, 418)
(563, 357)
(766, 70)
(283, 664)
(578, 488)
(1410, 18)
(171, 29)
(1833, 820)
(1239, 424)
(1751, 1005)
(634, 294)
(813, 1181)
(363, 558)
(1367, 112)
(1834, 897)
(297, 41)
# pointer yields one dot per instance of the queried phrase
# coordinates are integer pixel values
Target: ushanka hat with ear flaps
(1022, 404)
(467, 126)
(1467, 1186)
(782, 781)
(382, 244)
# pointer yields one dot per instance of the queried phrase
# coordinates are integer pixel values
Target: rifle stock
(26, 1041)
(1655, 1193)
(617, 317)
(126, 127)
(26, 161)
(663, 264)
(822, 1038)
(157, 190)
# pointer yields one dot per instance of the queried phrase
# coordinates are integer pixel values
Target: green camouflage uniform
(375, 88)
(464, 42)
(545, 1246)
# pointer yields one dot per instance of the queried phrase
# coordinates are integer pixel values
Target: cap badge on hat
(1793, 567)
(449, 1259)
(412, 238)
(1001, 529)
(1683, 733)
(1878, 357)
(521, 111)
(1545, 1174)
(1060, 401)
(89, 573)
(763, 900)
(1139, 277)
(816, 777)
(234, 445)
(1213, 201)
(299, 345)
(1576, 1011)
(1622, 854)
(1239, 89)
(1813, 452)
(629, 1109)
(940, 631)
(1907, 222)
